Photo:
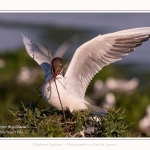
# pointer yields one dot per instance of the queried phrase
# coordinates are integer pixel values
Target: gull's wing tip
(22, 35)
(26, 40)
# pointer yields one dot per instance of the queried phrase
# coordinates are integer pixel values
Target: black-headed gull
(88, 60)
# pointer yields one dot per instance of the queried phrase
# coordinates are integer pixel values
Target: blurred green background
(20, 75)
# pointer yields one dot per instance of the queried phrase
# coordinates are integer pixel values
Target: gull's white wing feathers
(102, 50)
(44, 50)
(65, 46)
(37, 55)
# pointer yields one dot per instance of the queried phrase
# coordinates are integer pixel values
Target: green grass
(34, 121)
(12, 93)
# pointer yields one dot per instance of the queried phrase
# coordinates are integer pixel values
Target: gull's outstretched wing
(102, 50)
(41, 58)
(65, 46)
(44, 50)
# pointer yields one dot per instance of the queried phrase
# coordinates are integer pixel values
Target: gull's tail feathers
(96, 110)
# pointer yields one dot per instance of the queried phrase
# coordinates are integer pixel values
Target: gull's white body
(88, 60)
(68, 99)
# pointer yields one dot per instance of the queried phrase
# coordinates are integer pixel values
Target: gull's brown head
(57, 65)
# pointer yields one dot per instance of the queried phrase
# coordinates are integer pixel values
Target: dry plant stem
(61, 105)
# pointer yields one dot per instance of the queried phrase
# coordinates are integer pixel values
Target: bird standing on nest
(88, 60)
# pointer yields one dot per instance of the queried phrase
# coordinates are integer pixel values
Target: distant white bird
(27, 75)
(122, 85)
(144, 123)
(109, 100)
(2, 63)
(99, 89)
(88, 60)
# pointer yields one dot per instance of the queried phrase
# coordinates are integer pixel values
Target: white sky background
(74, 5)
